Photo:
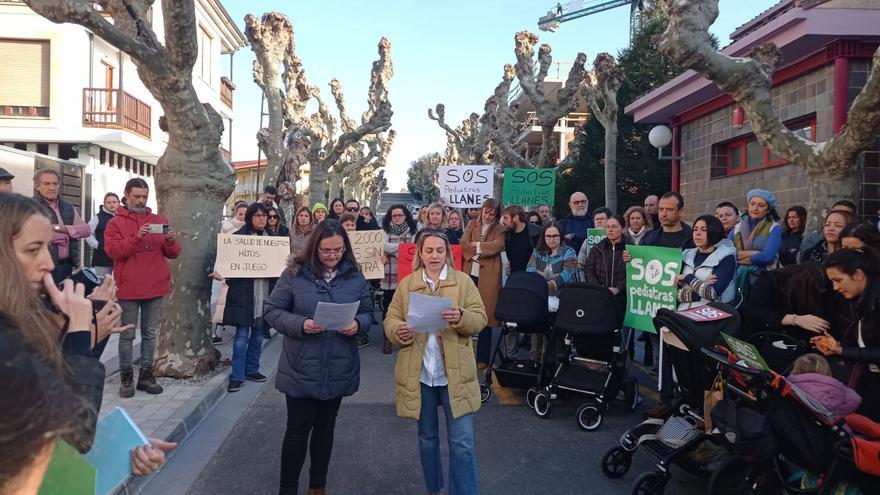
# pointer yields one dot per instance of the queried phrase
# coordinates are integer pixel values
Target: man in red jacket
(139, 242)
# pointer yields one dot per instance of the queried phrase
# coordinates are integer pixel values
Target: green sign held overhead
(594, 237)
(650, 284)
(529, 186)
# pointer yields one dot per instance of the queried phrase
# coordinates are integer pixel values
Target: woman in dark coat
(102, 263)
(792, 235)
(605, 265)
(854, 274)
(244, 308)
(318, 366)
(274, 225)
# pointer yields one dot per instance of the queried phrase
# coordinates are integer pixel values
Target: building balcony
(116, 109)
(226, 89)
(530, 130)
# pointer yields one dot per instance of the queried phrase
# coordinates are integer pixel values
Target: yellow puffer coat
(456, 341)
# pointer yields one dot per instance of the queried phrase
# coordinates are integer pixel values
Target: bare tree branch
(441, 121)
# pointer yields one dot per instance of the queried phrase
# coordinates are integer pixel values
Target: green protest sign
(594, 237)
(745, 351)
(69, 473)
(529, 186)
(650, 284)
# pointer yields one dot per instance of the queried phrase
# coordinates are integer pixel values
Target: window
(204, 63)
(746, 154)
(24, 78)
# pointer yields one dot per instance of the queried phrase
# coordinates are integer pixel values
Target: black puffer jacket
(239, 308)
(325, 365)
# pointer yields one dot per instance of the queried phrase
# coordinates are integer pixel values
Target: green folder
(69, 473)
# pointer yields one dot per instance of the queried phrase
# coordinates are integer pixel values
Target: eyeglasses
(581, 202)
(273, 216)
(331, 252)
(398, 215)
(352, 210)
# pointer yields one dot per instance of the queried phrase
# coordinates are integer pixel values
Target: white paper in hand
(425, 313)
(334, 316)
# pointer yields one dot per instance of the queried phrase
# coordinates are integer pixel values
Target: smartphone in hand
(158, 228)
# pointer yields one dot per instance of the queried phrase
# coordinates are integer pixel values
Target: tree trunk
(611, 133)
(825, 190)
(335, 185)
(187, 181)
(317, 181)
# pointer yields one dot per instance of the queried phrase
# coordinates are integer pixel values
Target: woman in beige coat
(438, 369)
(481, 248)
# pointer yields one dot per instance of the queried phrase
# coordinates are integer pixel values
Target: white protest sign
(465, 186)
(251, 256)
(369, 247)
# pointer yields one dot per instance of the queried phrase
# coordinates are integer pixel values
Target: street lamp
(660, 137)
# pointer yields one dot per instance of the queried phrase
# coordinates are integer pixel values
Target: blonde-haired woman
(638, 223)
(303, 223)
(438, 369)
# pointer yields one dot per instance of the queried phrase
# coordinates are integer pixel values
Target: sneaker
(126, 387)
(147, 382)
(255, 377)
(363, 341)
(661, 410)
(234, 386)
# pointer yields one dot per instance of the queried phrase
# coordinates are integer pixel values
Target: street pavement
(237, 450)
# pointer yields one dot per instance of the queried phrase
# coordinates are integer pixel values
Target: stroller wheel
(485, 392)
(542, 405)
(649, 484)
(530, 397)
(616, 462)
(589, 416)
(631, 394)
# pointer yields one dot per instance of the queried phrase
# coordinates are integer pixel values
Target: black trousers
(310, 425)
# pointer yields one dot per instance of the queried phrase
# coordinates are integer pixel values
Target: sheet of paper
(334, 316)
(425, 312)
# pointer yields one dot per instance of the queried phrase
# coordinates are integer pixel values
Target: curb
(185, 420)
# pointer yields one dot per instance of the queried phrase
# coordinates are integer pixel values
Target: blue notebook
(115, 437)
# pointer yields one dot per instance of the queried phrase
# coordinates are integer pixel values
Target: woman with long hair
(708, 269)
(756, 238)
(244, 307)
(303, 223)
(399, 227)
(235, 222)
(638, 223)
(337, 208)
(835, 221)
(58, 323)
(793, 226)
(437, 369)
(274, 226)
(557, 263)
(855, 275)
(435, 217)
(318, 366)
(481, 248)
(101, 262)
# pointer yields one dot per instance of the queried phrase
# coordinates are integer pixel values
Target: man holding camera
(139, 242)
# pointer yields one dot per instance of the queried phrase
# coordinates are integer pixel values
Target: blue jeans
(460, 433)
(246, 350)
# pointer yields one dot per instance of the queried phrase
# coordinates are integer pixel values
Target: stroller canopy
(523, 300)
(696, 335)
(586, 309)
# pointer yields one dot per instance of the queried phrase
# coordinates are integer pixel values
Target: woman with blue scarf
(757, 239)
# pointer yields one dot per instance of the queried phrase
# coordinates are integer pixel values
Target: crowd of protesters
(819, 286)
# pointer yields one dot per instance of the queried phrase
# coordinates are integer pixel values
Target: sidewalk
(181, 407)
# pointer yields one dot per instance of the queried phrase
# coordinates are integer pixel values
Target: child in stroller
(587, 356)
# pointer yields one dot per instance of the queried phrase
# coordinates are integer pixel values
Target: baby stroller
(521, 308)
(679, 439)
(589, 354)
(787, 442)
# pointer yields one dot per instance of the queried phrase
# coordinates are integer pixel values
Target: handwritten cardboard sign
(407, 253)
(529, 186)
(465, 186)
(251, 256)
(369, 248)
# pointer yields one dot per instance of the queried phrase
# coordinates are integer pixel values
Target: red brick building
(826, 51)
